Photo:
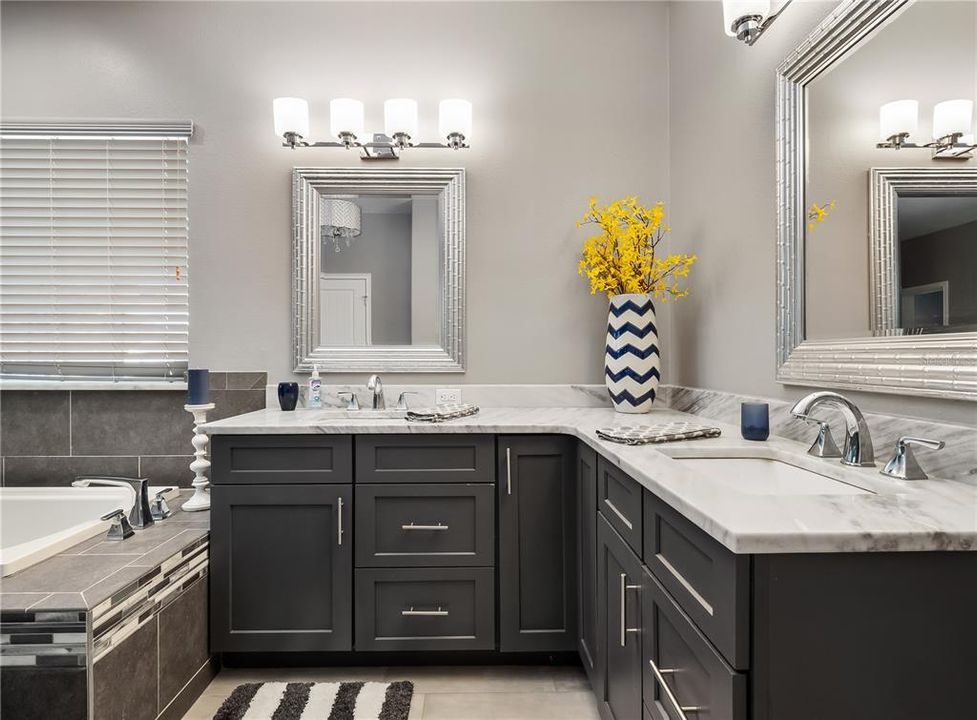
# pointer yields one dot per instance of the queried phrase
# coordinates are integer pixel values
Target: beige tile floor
(442, 693)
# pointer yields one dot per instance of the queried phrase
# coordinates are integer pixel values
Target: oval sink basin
(768, 476)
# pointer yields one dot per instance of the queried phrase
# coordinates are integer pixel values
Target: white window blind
(93, 252)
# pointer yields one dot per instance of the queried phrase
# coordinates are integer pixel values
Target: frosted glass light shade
(455, 116)
(345, 116)
(900, 116)
(733, 10)
(952, 116)
(291, 116)
(400, 116)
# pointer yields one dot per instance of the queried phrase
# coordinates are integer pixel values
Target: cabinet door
(587, 562)
(281, 568)
(537, 544)
(618, 625)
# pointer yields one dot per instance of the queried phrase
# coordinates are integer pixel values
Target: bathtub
(36, 523)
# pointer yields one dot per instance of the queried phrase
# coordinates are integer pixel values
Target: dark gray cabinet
(537, 543)
(619, 578)
(619, 499)
(425, 609)
(405, 525)
(281, 568)
(425, 458)
(681, 669)
(587, 563)
(293, 459)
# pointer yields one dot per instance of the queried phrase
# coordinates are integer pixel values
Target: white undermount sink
(771, 475)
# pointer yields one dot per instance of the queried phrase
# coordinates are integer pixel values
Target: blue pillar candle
(755, 420)
(198, 387)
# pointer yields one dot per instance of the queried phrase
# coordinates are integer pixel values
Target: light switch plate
(447, 395)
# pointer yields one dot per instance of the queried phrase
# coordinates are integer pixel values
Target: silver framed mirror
(877, 352)
(378, 270)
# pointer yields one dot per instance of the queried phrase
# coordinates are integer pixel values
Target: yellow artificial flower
(818, 214)
(622, 258)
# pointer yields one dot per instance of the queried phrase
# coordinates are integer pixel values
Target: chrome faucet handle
(824, 444)
(353, 403)
(158, 507)
(903, 464)
(402, 401)
(120, 528)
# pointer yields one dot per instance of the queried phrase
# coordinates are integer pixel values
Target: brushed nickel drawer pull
(619, 514)
(624, 628)
(412, 526)
(508, 470)
(426, 613)
(682, 709)
(339, 525)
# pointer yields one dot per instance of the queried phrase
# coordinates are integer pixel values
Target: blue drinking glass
(755, 420)
(288, 395)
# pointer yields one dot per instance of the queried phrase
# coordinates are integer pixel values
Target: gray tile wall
(47, 437)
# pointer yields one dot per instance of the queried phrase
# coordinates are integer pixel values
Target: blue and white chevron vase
(632, 366)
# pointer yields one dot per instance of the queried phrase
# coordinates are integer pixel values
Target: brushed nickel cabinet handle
(412, 526)
(339, 525)
(426, 613)
(624, 627)
(508, 470)
(682, 709)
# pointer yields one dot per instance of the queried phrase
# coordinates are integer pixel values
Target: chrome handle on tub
(508, 470)
(120, 529)
(339, 524)
(624, 626)
(682, 709)
(426, 613)
(412, 526)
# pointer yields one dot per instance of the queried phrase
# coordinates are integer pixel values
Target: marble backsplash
(957, 460)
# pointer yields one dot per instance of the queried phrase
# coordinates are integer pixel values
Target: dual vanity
(714, 578)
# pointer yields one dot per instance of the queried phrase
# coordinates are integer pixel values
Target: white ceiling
(922, 215)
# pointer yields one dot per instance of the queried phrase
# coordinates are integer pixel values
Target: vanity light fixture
(747, 20)
(953, 123)
(346, 125)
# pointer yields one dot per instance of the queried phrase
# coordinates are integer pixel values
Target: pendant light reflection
(339, 221)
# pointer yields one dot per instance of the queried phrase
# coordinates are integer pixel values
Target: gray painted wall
(383, 249)
(547, 81)
(724, 208)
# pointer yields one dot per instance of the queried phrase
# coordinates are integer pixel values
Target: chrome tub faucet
(140, 516)
(858, 449)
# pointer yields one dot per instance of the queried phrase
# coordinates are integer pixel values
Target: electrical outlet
(447, 395)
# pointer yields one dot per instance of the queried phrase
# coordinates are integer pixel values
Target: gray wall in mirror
(929, 53)
(531, 70)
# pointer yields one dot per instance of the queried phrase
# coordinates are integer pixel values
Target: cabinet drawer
(619, 500)
(425, 609)
(425, 525)
(690, 673)
(710, 583)
(292, 459)
(425, 459)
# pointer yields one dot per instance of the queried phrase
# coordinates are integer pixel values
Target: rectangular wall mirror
(379, 270)
(877, 247)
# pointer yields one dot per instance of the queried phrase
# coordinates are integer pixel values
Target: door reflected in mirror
(380, 270)
(937, 245)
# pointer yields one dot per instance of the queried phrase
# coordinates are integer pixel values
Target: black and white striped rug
(318, 701)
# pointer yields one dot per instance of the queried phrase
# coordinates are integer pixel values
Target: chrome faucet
(858, 441)
(375, 385)
(140, 516)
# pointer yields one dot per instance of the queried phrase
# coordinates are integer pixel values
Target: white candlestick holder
(200, 465)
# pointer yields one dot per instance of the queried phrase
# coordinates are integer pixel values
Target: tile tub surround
(897, 516)
(47, 437)
(149, 590)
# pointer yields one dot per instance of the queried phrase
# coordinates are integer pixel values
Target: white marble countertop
(894, 516)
